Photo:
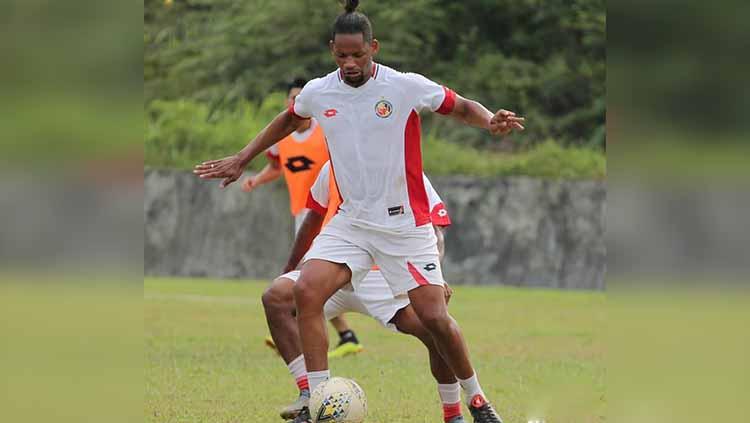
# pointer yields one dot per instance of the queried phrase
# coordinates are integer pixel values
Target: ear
(330, 46)
(375, 46)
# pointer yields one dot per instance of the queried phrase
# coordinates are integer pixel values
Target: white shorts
(407, 259)
(373, 298)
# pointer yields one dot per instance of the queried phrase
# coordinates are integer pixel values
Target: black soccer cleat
(302, 417)
(482, 411)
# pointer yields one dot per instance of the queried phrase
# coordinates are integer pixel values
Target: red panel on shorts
(416, 275)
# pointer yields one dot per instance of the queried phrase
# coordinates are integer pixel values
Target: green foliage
(181, 133)
(543, 59)
(547, 160)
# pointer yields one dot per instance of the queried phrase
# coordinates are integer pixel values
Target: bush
(181, 133)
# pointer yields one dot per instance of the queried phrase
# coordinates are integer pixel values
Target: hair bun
(351, 5)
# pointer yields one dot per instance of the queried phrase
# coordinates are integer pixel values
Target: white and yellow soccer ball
(338, 400)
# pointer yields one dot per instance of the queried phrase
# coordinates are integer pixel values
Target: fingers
(211, 164)
(213, 174)
(228, 180)
(504, 127)
(205, 168)
(247, 184)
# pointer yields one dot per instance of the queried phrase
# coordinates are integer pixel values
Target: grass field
(538, 353)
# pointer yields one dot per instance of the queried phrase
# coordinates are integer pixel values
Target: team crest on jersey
(383, 108)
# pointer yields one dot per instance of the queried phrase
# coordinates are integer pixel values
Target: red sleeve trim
(449, 102)
(273, 158)
(315, 206)
(291, 110)
(439, 215)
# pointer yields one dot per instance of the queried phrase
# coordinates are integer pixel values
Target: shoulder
(320, 84)
(408, 81)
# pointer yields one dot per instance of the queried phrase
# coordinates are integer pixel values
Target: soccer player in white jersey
(372, 298)
(370, 114)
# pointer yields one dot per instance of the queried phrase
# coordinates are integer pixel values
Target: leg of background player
(278, 303)
(348, 342)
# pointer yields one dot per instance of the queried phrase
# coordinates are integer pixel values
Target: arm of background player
(475, 114)
(231, 168)
(268, 174)
(439, 233)
(307, 232)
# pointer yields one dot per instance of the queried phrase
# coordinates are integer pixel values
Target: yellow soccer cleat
(270, 344)
(346, 348)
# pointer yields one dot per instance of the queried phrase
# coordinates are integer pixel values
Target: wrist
(244, 158)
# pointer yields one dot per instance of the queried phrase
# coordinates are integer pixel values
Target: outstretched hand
(249, 184)
(229, 168)
(504, 122)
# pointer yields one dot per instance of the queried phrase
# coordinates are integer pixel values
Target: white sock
(471, 387)
(450, 396)
(297, 367)
(450, 393)
(299, 372)
(316, 378)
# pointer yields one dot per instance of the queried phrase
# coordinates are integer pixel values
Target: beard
(355, 80)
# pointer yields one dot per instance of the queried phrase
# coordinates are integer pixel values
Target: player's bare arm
(440, 234)
(307, 232)
(475, 114)
(270, 172)
(230, 168)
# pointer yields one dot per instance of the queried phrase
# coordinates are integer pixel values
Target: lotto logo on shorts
(431, 266)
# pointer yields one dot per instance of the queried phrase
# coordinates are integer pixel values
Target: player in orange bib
(299, 158)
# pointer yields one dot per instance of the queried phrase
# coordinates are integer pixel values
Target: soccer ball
(338, 400)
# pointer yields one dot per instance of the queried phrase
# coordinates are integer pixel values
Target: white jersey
(374, 140)
(320, 198)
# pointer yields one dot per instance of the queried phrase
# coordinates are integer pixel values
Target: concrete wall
(517, 231)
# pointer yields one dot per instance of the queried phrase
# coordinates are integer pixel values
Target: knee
(306, 296)
(277, 296)
(435, 320)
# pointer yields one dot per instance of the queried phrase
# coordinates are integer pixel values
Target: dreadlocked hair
(352, 22)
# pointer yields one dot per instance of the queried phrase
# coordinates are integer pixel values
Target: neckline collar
(373, 76)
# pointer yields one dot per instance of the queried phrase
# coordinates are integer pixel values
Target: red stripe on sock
(302, 383)
(451, 411)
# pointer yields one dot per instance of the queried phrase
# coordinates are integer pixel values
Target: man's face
(354, 57)
(292, 95)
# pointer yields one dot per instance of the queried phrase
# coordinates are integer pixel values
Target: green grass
(538, 354)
